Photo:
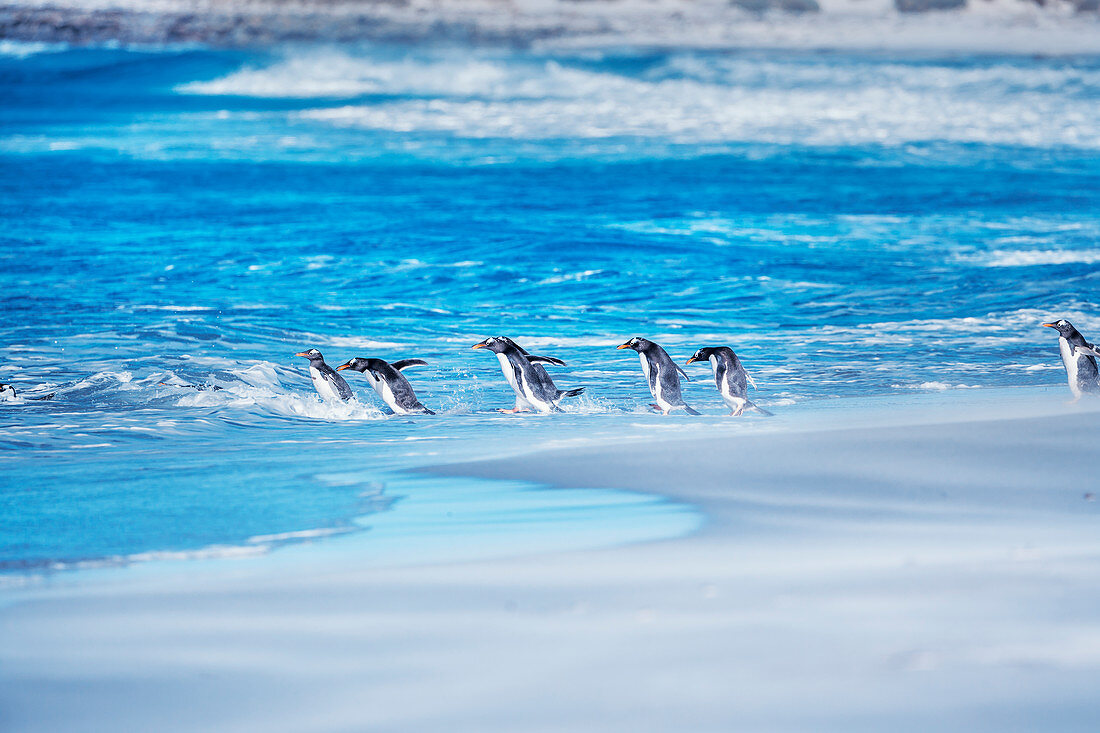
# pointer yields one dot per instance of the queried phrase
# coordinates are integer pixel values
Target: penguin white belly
(509, 373)
(382, 387)
(657, 387)
(1069, 360)
(532, 399)
(323, 386)
(734, 402)
(654, 385)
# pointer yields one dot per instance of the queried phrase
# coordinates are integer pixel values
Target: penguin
(390, 383)
(730, 377)
(329, 384)
(7, 393)
(1078, 357)
(199, 387)
(661, 374)
(534, 388)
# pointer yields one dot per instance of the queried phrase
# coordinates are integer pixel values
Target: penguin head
(1064, 328)
(702, 354)
(312, 355)
(7, 392)
(511, 343)
(496, 344)
(360, 365)
(723, 354)
(636, 343)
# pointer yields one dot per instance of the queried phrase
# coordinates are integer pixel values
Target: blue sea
(178, 223)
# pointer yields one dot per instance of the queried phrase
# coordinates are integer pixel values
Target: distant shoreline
(995, 26)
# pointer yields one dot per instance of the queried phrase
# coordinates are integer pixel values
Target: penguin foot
(655, 406)
(513, 411)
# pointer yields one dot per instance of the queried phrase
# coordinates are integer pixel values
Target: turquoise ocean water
(178, 223)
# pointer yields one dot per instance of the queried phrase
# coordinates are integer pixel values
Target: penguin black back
(326, 381)
(1078, 358)
(390, 384)
(730, 376)
(661, 373)
(527, 376)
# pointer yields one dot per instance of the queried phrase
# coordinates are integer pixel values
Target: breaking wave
(684, 98)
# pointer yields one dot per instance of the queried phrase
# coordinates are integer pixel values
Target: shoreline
(1012, 27)
(917, 410)
(865, 579)
(767, 459)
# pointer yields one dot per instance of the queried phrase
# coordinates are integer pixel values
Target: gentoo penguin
(390, 383)
(7, 392)
(730, 377)
(534, 388)
(661, 374)
(1078, 357)
(329, 384)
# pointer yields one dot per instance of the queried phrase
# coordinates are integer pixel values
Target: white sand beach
(915, 574)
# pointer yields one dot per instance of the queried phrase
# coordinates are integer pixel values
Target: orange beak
(1050, 325)
(478, 346)
(301, 353)
(624, 346)
(690, 361)
(342, 367)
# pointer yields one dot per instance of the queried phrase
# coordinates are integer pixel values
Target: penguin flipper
(682, 372)
(532, 359)
(1089, 349)
(426, 411)
(406, 363)
(751, 380)
(691, 411)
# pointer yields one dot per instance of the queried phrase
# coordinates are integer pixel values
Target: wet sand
(941, 576)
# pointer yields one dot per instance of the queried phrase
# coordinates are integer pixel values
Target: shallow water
(177, 221)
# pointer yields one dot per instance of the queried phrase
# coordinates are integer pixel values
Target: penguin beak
(624, 346)
(301, 353)
(478, 346)
(1050, 325)
(690, 361)
(342, 367)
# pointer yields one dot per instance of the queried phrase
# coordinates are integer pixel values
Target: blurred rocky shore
(241, 23)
